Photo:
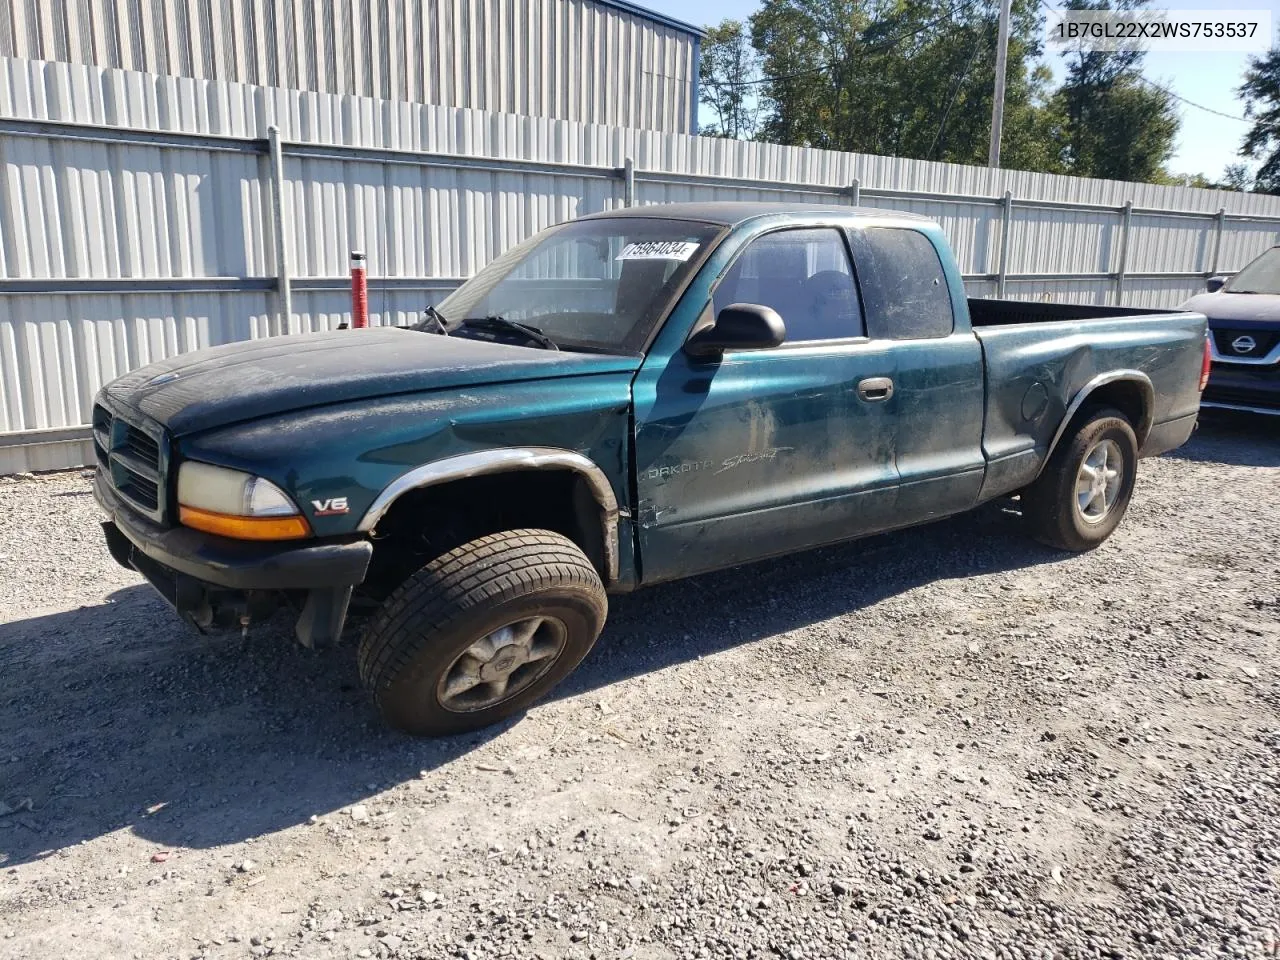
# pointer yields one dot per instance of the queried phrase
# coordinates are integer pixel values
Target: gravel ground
(944, 742)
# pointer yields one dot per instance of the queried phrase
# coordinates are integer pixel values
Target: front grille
(145, 493)
(145, 448)
(101, 433)
(131, 460)
(1263, 343)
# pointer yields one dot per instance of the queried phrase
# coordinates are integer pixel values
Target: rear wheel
(482, 632)
(1084, 490)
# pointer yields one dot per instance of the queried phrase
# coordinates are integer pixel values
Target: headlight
(235, 504)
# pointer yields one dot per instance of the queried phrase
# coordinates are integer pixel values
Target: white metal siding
(564, 59)
(199, 217)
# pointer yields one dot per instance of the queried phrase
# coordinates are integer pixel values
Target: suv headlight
(231, 503)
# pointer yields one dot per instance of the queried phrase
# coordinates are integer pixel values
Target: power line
(955, 92)
(880, 48)
(1189, 103)
(718, 84)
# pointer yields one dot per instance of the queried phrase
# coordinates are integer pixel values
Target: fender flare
(1103, 379)
(506, 460)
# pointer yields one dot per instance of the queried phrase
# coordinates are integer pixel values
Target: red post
(359, 291)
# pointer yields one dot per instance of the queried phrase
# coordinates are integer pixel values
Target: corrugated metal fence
(143, 216)
(602, 61)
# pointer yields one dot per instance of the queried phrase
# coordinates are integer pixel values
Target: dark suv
(1244, 326)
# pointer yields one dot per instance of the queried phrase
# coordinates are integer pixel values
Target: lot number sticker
(659, 250)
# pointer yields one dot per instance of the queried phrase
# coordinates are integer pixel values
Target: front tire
(482, 632)
(1082, 494)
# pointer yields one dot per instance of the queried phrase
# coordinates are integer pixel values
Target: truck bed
(998, 313)
(1039, 356)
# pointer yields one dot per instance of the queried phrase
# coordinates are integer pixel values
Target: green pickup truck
(621, 400)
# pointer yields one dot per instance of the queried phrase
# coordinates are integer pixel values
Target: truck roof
(732, 213)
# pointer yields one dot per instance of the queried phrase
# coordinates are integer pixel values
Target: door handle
(873, 389)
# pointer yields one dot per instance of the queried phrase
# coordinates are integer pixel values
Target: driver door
(757, 453)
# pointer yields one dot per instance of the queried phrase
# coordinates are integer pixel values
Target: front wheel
(1084, 490)
(482, 632)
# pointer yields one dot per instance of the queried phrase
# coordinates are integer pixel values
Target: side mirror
(1214, 284)
(739, 326)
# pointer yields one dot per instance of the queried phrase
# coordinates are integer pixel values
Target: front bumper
(1250, 387)
(207, 577)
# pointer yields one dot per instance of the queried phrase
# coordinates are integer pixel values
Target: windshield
(591, 284)
(1260, 276)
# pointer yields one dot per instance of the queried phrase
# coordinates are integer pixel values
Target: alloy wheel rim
(1099, 481)
(501, 664)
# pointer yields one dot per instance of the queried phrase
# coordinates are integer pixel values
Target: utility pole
(997, 102)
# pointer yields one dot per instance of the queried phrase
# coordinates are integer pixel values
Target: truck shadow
(1239, 439)
(112, 717)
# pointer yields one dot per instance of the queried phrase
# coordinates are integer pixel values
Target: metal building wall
(137, 219)
(583, 60)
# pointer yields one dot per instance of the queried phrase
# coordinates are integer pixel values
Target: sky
(1206, 142)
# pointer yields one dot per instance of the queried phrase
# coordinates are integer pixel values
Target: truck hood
(242, 381)
(1259, 308)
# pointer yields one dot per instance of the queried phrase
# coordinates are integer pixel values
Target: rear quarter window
(904, 287)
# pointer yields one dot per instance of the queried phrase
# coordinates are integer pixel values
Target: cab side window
(804, 275)
(903, 283)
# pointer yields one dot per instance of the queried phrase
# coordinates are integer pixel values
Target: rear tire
(1082, 494)
(482, 632)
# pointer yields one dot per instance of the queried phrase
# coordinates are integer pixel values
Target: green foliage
(1117, 125)
(907, 78)
(1190, 180)
(729, 68)
(914, 78)
(1261, 93)
(1120, 129)
(1237, 176)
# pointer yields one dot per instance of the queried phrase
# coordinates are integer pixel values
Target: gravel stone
(943, 743)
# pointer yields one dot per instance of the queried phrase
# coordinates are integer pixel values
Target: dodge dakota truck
(621, 400)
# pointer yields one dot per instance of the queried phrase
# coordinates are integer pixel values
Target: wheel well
(427, 522)
(1130, 397)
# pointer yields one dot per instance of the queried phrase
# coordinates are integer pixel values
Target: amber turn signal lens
(244, 528)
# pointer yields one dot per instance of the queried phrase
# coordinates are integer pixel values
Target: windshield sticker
(659, 250)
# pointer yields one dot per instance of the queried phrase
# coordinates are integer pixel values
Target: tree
(728, 72)
(914, 78)
(1261, 93)
(797, 97)
(1236, 176)
(1119, 129)
(909, 78)
(1116, 124)
(1190, 180)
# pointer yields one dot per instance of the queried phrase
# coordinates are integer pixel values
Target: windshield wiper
(433, 321)
(502, 323)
